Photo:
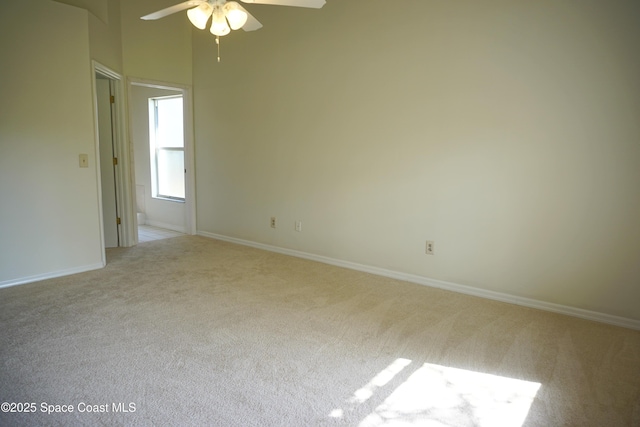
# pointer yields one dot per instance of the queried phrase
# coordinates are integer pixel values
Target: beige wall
(105, 36)
(506, 132)
(49, 215)
(104, 30)
(155, 50)
(98, 8)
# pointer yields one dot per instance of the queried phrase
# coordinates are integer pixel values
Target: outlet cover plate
(429, 247)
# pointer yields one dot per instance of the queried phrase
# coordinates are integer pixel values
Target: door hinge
(115, 161)
(118, 221)
(113, 99)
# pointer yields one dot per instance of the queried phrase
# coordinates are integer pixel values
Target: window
(166, 143)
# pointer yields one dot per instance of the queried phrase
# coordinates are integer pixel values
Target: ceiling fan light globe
(219, 26)
(220, 30)
(200, 15)
(235, 15)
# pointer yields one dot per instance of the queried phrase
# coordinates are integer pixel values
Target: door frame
(189, 162)
(127, 231)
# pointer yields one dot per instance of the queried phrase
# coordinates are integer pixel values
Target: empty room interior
(386, 213)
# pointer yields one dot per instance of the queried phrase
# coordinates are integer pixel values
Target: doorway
(117, 218)
(162, 138)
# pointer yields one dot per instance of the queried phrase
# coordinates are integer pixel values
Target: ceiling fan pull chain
(218, 43)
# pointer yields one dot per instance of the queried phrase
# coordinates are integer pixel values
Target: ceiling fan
(226, 15)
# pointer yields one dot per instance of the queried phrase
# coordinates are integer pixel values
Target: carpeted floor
(194, 331)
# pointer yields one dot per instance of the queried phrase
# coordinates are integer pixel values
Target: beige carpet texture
(194, 331)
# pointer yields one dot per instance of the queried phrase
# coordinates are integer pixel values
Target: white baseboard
(468, 290)
(59, 273)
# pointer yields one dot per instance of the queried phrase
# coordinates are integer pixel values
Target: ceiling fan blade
(252, 23)
(315, 4)
(172, 9)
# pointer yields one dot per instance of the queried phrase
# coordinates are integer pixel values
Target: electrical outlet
(298, 225)
(429, 248)
(273, 222)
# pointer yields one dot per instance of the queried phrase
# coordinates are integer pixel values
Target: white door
(107, 171)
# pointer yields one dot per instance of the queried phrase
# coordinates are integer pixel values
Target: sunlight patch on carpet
(436, 395)
(364, 393)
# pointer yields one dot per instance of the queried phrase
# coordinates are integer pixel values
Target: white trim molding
(454, 287)
(53, 275)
